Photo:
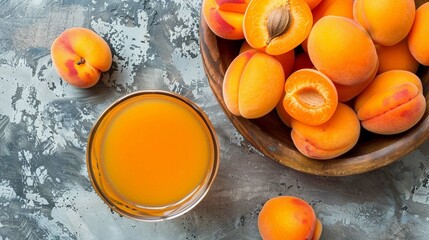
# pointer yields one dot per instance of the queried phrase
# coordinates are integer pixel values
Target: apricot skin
(329, 140)
(387, 21)
(225, 17)
(80, 55)
(342, 49)
(287, 217)
(286, 59)
(396, 57)
(253, 84)
(418, 38)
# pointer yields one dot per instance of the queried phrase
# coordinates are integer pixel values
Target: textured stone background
(45, 192)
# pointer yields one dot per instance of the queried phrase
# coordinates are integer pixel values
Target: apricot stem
(81, 61)
(278, 22)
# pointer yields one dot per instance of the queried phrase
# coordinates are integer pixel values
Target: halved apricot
(310, 96)
(278, 26)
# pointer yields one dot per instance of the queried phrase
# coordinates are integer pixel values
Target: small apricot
(225, 17)
(396, 57)
(253, 84)
(387, 21)
(418, 38)
(288, 217)
(277, 26)
(329, 140)
(342, 49)
(79, 55)
(310, 96)
(313, 3)
(286, 59)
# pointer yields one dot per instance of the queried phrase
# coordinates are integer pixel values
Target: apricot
(287, 217)
(225, 17)
(385, 80)
(342, 8)
(418, 37)
(329, 140)
(277, 26)
(388, 22)
(396, 57)
(286, 59)
(253, 84)
(310, 96)
(79, 55)
(342, 49)
(395, 97)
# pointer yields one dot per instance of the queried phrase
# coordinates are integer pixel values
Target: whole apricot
(392, 103)
(418, 38)
(225, 17)
(387, 21)
(342, 49)
(396, 57)
(79, 55)
(288, 217)
(328, 140)
(253, 84)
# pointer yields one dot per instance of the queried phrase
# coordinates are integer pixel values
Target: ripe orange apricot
(277, 26)
(286, 59)
(394, 97)
(287, 217)
(385, 80)
(396, 57)
(79, 55)
(342, 8)
(418, 37)
(253, 84)
(388, 22)
(310, 96)
(342, 49)
(328, 140)
(225, 17)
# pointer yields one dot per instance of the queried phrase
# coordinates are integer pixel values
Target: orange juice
(152, 151)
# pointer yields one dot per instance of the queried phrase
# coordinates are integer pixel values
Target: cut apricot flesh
(310, 96)
(277, 26)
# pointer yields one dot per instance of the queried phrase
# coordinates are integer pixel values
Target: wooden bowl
(271, 137)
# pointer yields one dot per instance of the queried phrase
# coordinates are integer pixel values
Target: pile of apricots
(327, 67)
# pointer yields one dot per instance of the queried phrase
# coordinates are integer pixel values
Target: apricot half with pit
(80, 55)
(277, 26)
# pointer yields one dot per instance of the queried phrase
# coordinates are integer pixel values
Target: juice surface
(156, 150)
